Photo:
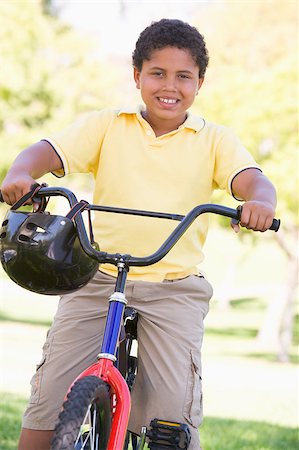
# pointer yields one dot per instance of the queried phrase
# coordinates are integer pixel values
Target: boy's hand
(31, 164)
(256, 215)
(15, 185)
(260, 200)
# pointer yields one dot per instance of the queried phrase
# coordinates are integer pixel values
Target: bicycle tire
(89, 399)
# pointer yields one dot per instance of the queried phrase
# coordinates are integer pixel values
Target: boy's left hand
(260, 200)
(256, 215)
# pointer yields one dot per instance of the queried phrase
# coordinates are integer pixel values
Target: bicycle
(96, 409)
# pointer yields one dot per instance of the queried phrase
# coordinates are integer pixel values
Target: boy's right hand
(31, 164)
(15, 185)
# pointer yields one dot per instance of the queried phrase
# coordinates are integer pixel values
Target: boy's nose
(169, 84)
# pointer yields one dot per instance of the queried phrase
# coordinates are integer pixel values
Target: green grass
(11, 409)
(229, 434)
(216, 433)
(4, 317)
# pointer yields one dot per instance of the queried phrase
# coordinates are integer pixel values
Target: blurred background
(59, 59)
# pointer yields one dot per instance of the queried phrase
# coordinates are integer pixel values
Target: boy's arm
(31, 164)
(260, 199)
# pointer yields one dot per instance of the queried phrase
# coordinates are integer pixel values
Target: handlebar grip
(275, 225)
(32, 194)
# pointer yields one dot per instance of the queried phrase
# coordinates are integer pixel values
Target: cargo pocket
(193, 400)
(36, 380)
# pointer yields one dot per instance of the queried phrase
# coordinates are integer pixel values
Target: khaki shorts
(170, 333)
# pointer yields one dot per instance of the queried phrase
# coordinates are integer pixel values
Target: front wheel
(85, 420)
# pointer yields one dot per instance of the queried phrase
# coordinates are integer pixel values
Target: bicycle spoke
(93, 430)
(88, 437)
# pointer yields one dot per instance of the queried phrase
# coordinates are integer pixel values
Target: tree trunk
(277, 330)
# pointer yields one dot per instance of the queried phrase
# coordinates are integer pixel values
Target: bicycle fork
(105, 368)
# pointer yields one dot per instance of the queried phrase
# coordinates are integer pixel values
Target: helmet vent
(34, 227)
(5, 223)
(3, 235)
(24, 238)
(31, 226)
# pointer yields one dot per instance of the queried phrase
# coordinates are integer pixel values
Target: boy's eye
(158, 74)
(184, 76)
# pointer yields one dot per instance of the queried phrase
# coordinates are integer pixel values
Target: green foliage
(251, 85)
(49, 75)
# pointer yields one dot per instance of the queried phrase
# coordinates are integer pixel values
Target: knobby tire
(88, 394)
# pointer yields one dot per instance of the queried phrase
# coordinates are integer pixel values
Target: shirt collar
(192, 122)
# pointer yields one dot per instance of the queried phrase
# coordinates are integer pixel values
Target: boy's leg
(35, 439)
(72, 344)
(170, 332)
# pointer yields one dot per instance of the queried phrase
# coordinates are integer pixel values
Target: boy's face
(169, 82)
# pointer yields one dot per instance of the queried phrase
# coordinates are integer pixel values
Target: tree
(252, 86)
(49, 75)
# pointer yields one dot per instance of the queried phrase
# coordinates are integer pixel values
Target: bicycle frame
(105, 369)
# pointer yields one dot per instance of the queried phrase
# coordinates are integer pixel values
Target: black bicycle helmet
(42, 253)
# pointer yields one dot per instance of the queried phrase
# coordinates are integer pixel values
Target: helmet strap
(30, 195)
(79, 208)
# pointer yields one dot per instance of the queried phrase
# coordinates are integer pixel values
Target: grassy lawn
(11, 408)
(229, 434)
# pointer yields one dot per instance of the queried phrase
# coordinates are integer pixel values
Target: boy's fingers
(235, 227)
(245, 217)
(256, 220)
(234, 223)
(35, 206)
(251, 219)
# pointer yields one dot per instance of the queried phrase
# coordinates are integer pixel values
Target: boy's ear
(200, 81)
(137, 77)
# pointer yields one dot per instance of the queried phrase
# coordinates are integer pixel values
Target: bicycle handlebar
(116, 258)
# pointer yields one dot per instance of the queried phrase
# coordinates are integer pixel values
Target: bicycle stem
(117, 303)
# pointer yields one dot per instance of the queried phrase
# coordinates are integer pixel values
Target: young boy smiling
(155, 157)
(168, 82)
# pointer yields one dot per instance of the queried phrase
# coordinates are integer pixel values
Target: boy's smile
(169, 82)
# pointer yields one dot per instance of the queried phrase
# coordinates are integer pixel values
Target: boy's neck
(163, 127)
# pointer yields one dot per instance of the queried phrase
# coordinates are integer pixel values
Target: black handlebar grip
(275, 225)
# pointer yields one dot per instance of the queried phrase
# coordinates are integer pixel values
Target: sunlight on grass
(224, 434)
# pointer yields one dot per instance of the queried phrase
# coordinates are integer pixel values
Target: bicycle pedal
(165, 435)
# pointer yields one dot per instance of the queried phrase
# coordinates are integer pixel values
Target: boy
(158, 157)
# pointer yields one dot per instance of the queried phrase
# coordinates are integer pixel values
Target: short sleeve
(231, 158)
(79, 145)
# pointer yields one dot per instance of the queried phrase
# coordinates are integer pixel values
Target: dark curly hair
(171, 33)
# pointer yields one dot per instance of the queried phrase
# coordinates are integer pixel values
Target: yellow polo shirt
(133, 168)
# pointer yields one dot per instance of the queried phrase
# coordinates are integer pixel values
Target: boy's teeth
(167, 100)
